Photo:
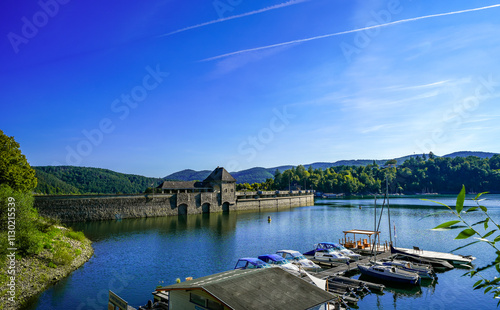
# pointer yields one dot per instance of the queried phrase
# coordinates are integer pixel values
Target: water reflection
(220, 223)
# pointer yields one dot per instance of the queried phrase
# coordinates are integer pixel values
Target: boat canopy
(361, 232)
(272, 257)
(348, 243)
(254, 261)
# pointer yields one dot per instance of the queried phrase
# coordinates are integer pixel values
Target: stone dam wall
(111, 207)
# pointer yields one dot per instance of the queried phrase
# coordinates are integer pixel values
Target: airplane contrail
(347, 31)
(273, 7)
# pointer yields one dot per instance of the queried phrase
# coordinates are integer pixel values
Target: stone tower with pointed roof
(224, 184)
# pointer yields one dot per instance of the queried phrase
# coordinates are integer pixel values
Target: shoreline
(34, 276)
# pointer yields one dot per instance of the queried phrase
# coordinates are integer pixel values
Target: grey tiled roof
(266, 288)
(220, 174)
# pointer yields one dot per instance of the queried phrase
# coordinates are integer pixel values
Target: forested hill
(83, 180)
(423, 174)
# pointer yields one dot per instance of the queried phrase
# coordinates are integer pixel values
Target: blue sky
(155, 87)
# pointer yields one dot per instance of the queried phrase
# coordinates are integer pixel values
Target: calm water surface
(133, 256)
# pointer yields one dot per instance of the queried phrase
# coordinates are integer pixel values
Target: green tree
(495, 162)
(14, 168)
(489, 237)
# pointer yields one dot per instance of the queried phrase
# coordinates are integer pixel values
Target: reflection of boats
(457, 260)
(400, 291)
(278, 261)
(389, 273)
(251, 263)
(327, 254)
(298, 259)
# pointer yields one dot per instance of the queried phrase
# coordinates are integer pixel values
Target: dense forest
(421, 174)
(56, 180)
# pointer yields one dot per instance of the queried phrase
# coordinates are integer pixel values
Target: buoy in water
(269, 219)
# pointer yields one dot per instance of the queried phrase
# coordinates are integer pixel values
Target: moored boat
(298, 259)
(251, 263)
(424, 271)
(327, 254)
(339, 247)
(454, 259)
(278, 261)
(389, 273)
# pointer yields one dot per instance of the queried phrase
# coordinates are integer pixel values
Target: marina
(334, 278)
(133, 256)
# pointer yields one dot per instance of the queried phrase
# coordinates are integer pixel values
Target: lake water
(133, 256)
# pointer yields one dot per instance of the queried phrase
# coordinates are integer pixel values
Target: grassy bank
(63, 251)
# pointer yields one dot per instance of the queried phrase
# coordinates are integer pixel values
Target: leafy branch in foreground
(489, 285)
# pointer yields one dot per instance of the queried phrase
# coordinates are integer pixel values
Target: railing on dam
(272, 194)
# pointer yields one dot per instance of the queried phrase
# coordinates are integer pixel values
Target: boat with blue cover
(251, 263)
(278, 261)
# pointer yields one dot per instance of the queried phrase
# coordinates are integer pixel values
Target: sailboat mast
(388, 208)
(374, 251)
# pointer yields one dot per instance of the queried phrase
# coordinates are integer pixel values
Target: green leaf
(497, 239)
(464, 246)
(466, 233)
(447, 224)
(477, 283)
(477, 223)
(484, 209)
(479, 195)
(486, 224)
(488, 289)
(489, 234)
(460, 200)
(471, 209)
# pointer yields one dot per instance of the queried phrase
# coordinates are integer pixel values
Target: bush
(62, 256)
(76, 235)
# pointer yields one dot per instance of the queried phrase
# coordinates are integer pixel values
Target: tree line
(426, 173)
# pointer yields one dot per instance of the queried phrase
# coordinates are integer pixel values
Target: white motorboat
(298, 259)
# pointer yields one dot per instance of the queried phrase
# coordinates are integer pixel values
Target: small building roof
(266, 288)
(220, 174)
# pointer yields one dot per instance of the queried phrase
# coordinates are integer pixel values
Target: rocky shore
(34, 274)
